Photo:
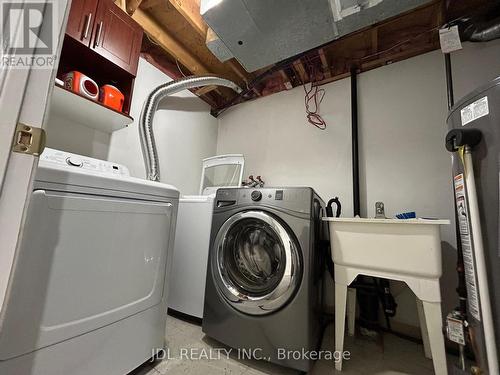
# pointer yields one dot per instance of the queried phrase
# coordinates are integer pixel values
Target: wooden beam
(401, 55)
(286, 80)
(301, 71)
(441, 15)
(324, 63)
(132, 5)
(332, 79)
(213, 100)
(374, 40)
(168, 43)
(122, 4)
(205, 90)
(150, 3)
(240, 72)
(284, 76)
(322, 57)
(190, 10)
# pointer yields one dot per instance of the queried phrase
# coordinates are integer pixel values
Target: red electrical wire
(315, 96)
(312, 58)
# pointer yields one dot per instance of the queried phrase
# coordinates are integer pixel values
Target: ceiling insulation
(259, 33)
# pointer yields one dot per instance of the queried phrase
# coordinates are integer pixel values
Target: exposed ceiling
(261, 33)
(177, 36)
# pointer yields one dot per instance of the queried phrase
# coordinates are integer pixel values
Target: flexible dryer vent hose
(150, 107)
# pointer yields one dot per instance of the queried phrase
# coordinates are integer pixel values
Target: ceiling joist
(301, 71)
(190, 10)
(179, 31)
(151, 3)
(132, 5)
(168, 43)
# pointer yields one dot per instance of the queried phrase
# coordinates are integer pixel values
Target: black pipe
(449, 80)
(461, 288)
(367, 296)
(354, 140)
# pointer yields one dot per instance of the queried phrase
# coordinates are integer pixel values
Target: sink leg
(423, 329)
(340, 307)
(433, 318)
(351, 310)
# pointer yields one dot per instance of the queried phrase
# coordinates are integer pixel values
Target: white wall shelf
(74, 107)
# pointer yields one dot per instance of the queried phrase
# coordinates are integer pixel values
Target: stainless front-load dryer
(264, 277)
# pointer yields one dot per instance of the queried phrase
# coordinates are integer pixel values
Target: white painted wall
(403, 162)
(67, 135)
(279, 145)
(185, 134)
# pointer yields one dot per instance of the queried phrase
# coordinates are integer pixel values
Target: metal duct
(483, 26)
(150, 107)
(484, 31)
(261, 33)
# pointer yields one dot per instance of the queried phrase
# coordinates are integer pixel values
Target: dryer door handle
(223, 203)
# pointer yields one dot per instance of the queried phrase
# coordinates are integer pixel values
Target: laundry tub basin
(410, 247)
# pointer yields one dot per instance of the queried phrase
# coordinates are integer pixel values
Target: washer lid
(65, 171)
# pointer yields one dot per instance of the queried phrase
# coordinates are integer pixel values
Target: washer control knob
(74, 161)
(256, 195)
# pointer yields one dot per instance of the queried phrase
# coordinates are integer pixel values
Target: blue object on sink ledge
(407, 215)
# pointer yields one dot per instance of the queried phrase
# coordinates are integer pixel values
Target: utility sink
(411, 246)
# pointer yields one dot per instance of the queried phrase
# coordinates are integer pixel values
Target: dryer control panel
(68, 160)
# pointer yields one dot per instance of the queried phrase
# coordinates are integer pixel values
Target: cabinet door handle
(87, 26)
(99, 32)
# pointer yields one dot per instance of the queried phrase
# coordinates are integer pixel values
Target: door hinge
(29, 140)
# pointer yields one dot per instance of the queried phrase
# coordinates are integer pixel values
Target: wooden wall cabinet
(102, 26)
(104, 43)
(81, 20)
(117, 36)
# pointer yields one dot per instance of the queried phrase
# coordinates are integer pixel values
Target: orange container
(81, 84)
(111, 97)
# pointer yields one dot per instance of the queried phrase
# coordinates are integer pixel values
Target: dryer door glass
(257, 267)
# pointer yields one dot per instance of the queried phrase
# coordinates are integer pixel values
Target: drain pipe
(354, 140)
(150, 107)
(449, 81)
(368, 296)
(367, 300)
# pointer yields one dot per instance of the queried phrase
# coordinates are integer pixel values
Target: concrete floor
(398, 357)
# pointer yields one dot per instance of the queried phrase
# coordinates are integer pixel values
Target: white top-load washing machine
(87, 292)
(192, 235)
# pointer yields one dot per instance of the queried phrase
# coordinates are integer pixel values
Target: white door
(24, 96)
